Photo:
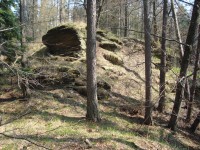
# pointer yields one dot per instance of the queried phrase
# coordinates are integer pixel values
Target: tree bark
(192, 96)
(92, 102)
(142, 23)
(33, 20)
(68, 10)
(99, 10)
(184, 65)
(186, 92)
(155, 28)
(22, 16)
(61, 12)
(163, 59)
(195, 123)
(148, 105)
(178, 35)
(126, 18)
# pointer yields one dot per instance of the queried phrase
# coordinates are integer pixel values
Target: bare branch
(186, 2)
(25, 139)
(172, 40)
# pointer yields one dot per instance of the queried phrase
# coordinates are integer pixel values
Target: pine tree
(92, 102)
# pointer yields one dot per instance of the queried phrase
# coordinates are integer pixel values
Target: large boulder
(64, 40)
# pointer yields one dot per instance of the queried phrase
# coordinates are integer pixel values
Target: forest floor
(54, 116)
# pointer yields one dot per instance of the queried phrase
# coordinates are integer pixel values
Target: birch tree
(184, 65)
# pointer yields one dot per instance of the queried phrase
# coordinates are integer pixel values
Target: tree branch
(172, 40)
(186, 2)
(25, 139)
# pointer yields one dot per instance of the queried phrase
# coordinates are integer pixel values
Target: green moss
(103, 34)
(114, 59)
(111, 46)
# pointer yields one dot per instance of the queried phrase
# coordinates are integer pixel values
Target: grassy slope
(55, 115)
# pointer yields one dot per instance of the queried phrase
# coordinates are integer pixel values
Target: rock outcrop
(108, 41)
(65, 40)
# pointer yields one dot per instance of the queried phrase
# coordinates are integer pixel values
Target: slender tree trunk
(184, 65)
(107, 15)
(33, 20)
(195, 123)
(170, 33)
(24, 62)
(178, 35)
(148, 105)
(142, 23)
(22, 16)
(126, 18)
(155, 28)
(186, 92)
(119, 20)
(68, 10)
(61, 11)
(99, 10)
(92, 102)
(194, 80)
(163, 59)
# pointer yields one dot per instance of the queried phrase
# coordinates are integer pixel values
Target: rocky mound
(108, 41)
(65, 40)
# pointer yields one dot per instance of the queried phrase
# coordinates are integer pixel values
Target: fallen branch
(25, 139)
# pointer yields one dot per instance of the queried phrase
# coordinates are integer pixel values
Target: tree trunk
(107, 15)
(195, 123)
(61, 11)
(178, 35)
(119, 21)
(163, 59)
(142, 23)
(184, 65)
(68, 10)
(126, 18)
(33, 20)
(155, 28)
(99, 10)
(22, 16)
(189, 111)
(148, 105)
(186, 92)
(92, 102)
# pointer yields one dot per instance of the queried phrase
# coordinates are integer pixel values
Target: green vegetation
(54, 116)
(9, 23)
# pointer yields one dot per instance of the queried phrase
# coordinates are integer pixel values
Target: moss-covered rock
(114, 59)
(101, 93)
(111, 46)
(80, 82)
(65, 40)
(103, 84)
(63, 69)
(103, 35)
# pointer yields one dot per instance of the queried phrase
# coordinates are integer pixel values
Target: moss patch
(114, 59)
